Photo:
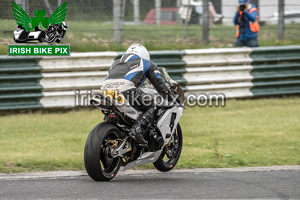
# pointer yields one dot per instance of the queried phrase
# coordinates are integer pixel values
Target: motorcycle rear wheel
(171, 153)
(99, 163)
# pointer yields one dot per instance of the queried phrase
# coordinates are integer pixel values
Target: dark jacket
(135, 69)
(244, 22)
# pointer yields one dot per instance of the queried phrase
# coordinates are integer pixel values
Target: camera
(242, 7)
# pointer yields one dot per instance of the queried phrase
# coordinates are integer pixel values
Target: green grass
(261, 132)
(97, 36)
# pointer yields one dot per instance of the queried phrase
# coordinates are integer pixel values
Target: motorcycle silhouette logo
(46, 29)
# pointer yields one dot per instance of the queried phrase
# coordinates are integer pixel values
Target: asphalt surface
(155, 185)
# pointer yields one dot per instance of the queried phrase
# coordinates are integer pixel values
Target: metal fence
(158, 19)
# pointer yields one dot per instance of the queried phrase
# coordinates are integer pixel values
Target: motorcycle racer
(127, 75)
(56, 32)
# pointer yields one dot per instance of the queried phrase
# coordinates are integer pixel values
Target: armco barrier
(218, 71)
(50, 82)
(236, 72)
(276, 71)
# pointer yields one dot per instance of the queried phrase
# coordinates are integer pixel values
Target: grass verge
(261, 132)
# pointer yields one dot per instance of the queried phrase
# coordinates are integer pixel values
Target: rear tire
(99, 165)
(17, 41)
(167, 161)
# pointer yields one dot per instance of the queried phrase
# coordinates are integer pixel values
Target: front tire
(99, 164)
(171, 153)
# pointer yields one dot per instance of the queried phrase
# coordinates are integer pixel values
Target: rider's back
(128, 72)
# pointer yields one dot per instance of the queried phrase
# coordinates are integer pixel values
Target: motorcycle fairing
(145, 158)
(168, 122)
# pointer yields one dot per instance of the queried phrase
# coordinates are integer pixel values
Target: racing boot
(141, 125)
(136, 134)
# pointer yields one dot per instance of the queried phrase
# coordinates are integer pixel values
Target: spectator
(246, 21)
(212, 13)
(187, 6)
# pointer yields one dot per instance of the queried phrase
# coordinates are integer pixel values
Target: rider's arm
(112, 66)
(156, 81)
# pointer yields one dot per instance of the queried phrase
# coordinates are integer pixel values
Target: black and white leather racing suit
(130, 72)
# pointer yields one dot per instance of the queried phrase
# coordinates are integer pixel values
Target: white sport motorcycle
(109, 148)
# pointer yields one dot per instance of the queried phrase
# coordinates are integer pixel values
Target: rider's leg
(141, 126)
(140, 101)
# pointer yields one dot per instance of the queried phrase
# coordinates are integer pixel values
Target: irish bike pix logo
(39, 29)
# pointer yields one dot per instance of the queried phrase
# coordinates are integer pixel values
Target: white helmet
(64, 25)
(139, 50)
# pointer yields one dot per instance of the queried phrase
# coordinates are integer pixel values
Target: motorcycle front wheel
(99, 163)
(171, 152)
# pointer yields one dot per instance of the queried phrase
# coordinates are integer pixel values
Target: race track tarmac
(189, 184)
